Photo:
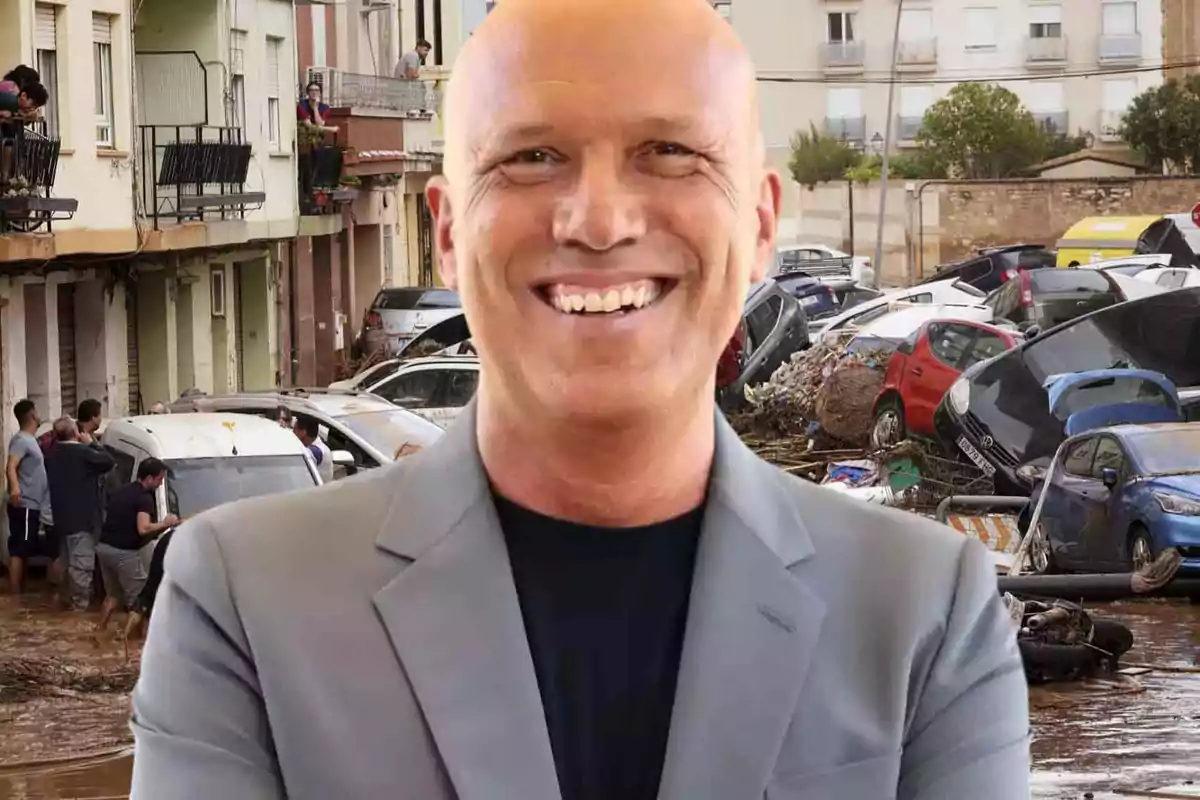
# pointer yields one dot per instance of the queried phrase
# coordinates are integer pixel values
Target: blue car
(1120, 493)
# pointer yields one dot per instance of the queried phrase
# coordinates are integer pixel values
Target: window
(460, 387)
(1045, 97)
(844, 103)
(923, 297)
(102, 57)
(1108, 456)
(950, 342)
(1118, 93)
(198, 484)
(1119, 19)
(916, 24)
(1172, 279)
(413, 390)
(274, 51)
(1006, 301)
(915, 101)
(46, 42)
(120, 474)
(980, 28)
(1045, 22)
(1078, 459)
(762, 320)
(841, 26)
(237, 83)
(988, 345)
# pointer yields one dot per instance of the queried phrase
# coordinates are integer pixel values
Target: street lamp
(887, 148)
(877, 143)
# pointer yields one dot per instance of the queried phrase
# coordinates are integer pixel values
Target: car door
(415, 389)
(931, 370)
(761, 321)
(1104, 539)
(1069, 502)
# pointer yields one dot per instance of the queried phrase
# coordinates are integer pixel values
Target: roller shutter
(238, 326)
(45, 32)
(131, 331)
(66, 348)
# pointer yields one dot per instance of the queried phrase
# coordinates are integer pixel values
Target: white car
(894, 325)
(436, 388)
(1168, 278)
(795, 256)
(1128, 265)
(211, 459)
(947, 291)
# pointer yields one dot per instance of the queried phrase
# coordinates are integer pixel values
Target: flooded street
(64, 710)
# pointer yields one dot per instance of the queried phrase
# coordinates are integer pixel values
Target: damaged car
(996, 413)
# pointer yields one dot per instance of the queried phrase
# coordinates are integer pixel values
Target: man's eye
(535, 155)
(670, 149)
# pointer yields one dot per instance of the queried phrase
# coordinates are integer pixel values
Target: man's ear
(437, 194)
(770, 203)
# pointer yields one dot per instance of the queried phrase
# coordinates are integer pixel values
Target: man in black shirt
(73, 469)
(128, 526)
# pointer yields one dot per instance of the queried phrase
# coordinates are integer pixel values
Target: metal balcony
(842, 55)
(28, 165)
(847, 129)
(1110, 125)
(916, 54)
(364, 94)
(1055, 121)
(194, 172)
(1045, 50)
(907, 128)
(1119, 49)
(319, 176)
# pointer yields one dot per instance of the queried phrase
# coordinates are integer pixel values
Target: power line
(1023, 77)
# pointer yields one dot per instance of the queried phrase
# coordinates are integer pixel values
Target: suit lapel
(455, 623)
(751, 632)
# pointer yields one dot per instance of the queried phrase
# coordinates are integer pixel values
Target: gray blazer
(364, 640)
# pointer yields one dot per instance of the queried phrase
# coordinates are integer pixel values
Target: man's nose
(601, 211)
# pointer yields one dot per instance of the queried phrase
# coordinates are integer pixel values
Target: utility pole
(877, 263)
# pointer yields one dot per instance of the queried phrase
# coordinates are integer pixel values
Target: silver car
(396, 316)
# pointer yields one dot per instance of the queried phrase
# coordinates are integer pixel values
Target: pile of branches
(23, 678)
(824, 393)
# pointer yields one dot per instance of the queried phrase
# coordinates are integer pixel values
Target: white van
(211, 459)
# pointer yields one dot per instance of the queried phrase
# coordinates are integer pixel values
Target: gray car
(371, 429)
(396, 316)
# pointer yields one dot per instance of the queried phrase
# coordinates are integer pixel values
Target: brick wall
(974, 215)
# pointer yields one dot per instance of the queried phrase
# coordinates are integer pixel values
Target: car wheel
(1041, 554)
(888, 429)
(1141, 548)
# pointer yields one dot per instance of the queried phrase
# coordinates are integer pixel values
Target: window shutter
(273, 49)
(101, 29)
(1045, 15)
(45, 30)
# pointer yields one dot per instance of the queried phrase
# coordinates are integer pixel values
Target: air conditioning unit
(217, 291)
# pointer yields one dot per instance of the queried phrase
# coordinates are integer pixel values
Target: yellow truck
(1097, 238)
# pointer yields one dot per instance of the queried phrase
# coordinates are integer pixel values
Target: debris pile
(1060, 641)
(23, 678)
(825, 393)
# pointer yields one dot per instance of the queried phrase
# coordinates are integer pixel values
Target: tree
(817, 158)
(980, 130)
(1163, 125)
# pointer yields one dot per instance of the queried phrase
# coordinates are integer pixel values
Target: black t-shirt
(120, 525)
(605, 611)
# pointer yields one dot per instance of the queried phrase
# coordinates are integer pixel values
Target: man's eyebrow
(498, 137)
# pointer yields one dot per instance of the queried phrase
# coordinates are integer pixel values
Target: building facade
(143, 224)
(1075, 64)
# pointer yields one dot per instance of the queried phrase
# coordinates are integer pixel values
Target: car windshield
(863, 345)
(411, 299)
(1128, 270)
(378, 372)
(1168, 451)
(195, 485)
(388, 431)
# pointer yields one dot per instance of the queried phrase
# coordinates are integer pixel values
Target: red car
(922, 369)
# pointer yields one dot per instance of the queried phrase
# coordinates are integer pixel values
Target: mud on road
(64, 710)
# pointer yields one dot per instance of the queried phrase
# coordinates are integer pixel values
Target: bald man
(589, 589)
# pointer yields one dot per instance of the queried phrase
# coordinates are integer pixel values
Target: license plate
(976, 457)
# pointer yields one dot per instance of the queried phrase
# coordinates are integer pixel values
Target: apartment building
(144, 223)
(1075, 64)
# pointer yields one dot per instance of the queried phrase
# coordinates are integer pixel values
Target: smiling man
(589, 589)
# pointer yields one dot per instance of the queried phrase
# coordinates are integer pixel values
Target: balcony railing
(319, 174)
(375, 92)
(841, 55)
(1110, 125)
(28, 164)
(1054, 121)
(917, 52)
(195, 172)
(907, 128)
(1045, 49)
(1119, 49)
(846, 129)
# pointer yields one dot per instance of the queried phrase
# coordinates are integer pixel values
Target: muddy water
(1121, 736)
(75, 746)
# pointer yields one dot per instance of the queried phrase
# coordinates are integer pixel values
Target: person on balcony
(409, 65)
(20, 96)
(312, 112)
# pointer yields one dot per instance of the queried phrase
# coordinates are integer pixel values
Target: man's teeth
(605, 301)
